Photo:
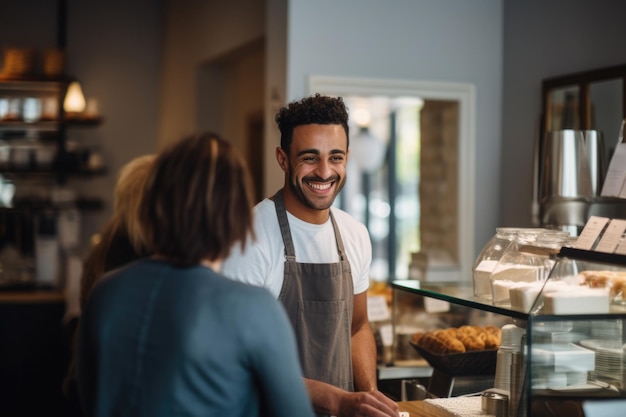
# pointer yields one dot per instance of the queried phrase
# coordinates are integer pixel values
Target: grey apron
(319, 300)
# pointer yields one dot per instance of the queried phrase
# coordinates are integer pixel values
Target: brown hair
(198, 201)
(317, 109)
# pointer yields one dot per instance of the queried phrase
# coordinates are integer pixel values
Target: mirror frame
(582, 80)
(465, 94)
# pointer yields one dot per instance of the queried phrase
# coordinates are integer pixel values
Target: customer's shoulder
(242, 296)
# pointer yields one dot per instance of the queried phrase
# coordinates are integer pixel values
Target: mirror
(410, 174)
(590, 100)
(582, 114)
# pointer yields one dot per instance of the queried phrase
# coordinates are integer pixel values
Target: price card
(614, 183)
(386, 334)
(612, 236)
(590, 233)
(621, 248)
(377, 309)
(433, 305)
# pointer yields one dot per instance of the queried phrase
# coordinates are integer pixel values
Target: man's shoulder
(265, 219)
(264, 208)
(347, 221)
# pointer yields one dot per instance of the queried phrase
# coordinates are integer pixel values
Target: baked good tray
(472, 363)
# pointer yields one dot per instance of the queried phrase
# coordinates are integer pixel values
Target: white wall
(543, 39)
(432, 40)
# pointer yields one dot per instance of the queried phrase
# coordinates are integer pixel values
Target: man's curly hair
(317, 109)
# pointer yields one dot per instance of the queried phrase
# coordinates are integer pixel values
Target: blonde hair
(128, 194)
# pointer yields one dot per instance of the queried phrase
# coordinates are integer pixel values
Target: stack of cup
(511, 343)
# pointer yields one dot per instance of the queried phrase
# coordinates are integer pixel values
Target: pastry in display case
(459, 343)
(460, 351)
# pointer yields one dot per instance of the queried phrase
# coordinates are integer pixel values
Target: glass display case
(420, 308)
(572, 351)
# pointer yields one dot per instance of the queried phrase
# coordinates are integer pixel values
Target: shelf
(586, 255)
(21, 125)
(462, 294)
(455, 293)
(51, 171)
(82, 203)
(49, 124)
(82, 121)
(419, 369)
(29, 79)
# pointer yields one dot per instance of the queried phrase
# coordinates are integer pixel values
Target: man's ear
(282, 159)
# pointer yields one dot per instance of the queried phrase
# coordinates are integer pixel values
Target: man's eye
(337, 158)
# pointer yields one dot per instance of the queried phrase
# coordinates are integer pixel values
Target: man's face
(316, 167)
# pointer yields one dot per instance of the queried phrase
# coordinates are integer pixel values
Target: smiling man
(315, 259)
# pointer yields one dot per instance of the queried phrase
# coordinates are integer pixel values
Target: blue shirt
(158, 340)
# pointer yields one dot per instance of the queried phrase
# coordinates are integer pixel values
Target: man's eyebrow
(317, 152)
(305, 151)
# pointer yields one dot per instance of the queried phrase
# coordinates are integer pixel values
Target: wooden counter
(421, 409)
(31, 297)
(445, 407)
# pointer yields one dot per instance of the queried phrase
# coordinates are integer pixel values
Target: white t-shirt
(262, 264)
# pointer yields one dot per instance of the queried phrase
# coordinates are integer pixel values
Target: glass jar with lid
(528, 258)
(488, 259)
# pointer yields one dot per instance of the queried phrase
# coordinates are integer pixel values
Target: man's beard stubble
(296, 189)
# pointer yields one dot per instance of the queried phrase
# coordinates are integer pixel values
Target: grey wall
(543, 39)
(113, 48)
(196, 33)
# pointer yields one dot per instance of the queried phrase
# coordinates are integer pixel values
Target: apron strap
(338, 239)
(279, 203)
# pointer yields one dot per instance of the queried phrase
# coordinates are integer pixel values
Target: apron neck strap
(281, 212)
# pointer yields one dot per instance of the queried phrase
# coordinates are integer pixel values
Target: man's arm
(328, 399)
(363, 346)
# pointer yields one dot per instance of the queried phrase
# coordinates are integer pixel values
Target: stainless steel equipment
(569, 173)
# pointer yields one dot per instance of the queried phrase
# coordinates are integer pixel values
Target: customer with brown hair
(169, 335)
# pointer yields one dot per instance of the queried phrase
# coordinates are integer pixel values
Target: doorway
(417, 198)
(230, 102)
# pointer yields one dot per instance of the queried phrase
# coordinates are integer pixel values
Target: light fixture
(74, 99)
(368, 150)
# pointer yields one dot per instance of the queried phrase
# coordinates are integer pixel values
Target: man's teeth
(320, 187)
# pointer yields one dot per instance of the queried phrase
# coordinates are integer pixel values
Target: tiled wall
(439, 180)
